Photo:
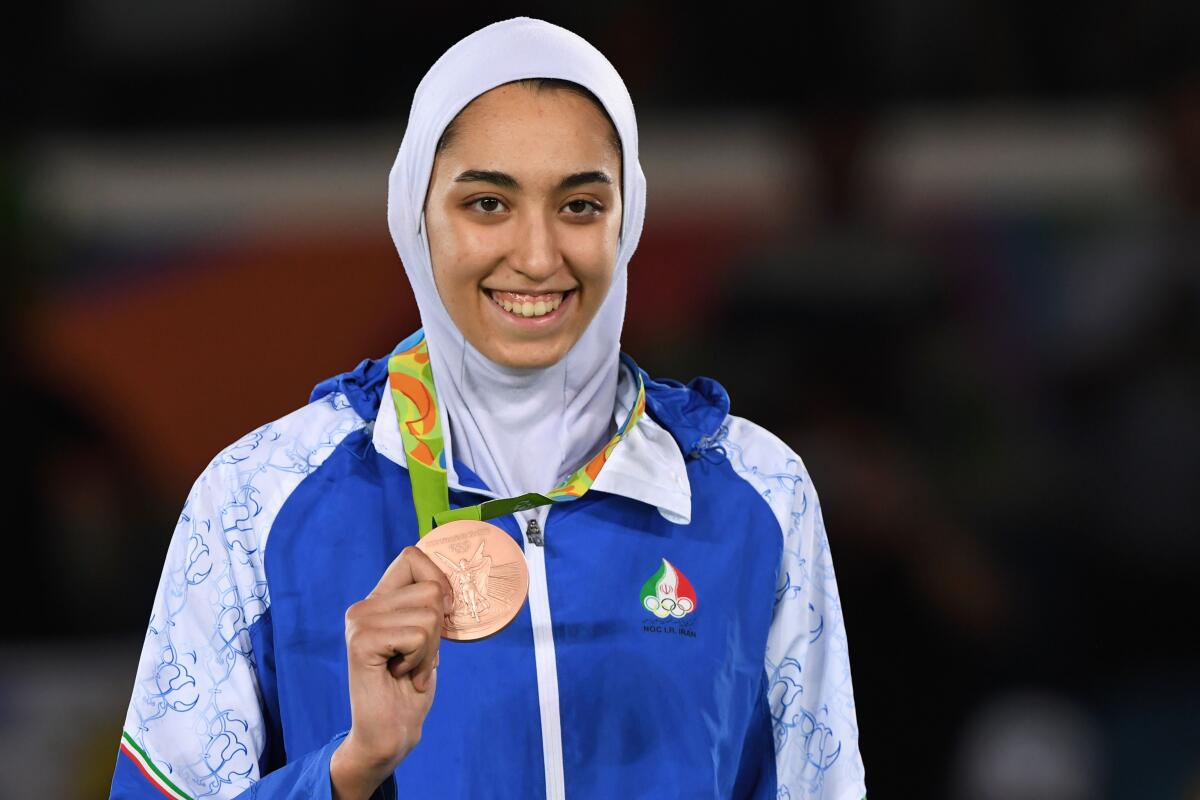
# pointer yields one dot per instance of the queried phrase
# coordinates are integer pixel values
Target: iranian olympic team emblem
(668, 593)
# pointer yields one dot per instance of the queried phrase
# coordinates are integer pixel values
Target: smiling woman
(640, 598)
(523, 217)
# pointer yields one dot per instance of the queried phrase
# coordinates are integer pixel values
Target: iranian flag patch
(668, 593)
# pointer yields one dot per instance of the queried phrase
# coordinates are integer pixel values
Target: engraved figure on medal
(489, 586)
(469, 581)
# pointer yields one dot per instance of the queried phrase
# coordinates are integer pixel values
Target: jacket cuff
(386, 790)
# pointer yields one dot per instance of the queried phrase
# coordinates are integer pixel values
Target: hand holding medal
(392, 650)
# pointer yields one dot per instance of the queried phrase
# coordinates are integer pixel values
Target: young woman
(682, 634)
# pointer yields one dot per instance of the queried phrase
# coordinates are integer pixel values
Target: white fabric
(519, 430)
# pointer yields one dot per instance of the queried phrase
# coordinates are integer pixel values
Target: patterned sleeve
(195, 725)
(809, 687)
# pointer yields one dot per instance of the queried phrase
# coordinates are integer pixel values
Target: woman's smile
(531, 311)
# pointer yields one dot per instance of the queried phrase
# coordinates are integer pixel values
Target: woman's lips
(533, 308)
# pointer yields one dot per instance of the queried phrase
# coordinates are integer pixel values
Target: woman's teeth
(528, 305)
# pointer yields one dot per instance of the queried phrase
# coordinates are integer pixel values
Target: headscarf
(520, 430)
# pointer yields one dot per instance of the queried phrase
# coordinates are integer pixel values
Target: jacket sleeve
(809, 696)
(809, 688)
(196, 725)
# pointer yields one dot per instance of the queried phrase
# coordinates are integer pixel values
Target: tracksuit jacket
(741, 689)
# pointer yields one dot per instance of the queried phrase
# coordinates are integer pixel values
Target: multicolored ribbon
(410, 377)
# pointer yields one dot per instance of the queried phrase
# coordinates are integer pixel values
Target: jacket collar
(647, 465)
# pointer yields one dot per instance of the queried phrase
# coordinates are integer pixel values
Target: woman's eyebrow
(506, 181)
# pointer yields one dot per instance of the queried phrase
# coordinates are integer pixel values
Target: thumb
(430, 679)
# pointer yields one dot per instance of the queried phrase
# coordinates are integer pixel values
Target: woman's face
(522, 214)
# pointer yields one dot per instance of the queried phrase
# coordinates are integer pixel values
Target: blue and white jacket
(242, 691)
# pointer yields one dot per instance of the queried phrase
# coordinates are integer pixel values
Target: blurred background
(947, 251)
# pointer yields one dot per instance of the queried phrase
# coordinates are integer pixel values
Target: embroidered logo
(668, 593)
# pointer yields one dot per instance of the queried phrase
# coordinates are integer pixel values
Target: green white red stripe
(152, 773)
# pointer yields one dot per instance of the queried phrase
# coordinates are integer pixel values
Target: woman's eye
(489, 210)
(577, 206)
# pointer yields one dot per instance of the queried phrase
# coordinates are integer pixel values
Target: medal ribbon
(410, 377)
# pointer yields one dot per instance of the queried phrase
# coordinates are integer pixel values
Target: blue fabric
(262, 644)
(679, 704)
(692, 413)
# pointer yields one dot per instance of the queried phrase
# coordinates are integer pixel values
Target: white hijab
(520, 430)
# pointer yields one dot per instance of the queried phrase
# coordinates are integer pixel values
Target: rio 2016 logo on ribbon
(668, 593)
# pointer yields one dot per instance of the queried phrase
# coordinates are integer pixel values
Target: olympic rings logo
(668, 606)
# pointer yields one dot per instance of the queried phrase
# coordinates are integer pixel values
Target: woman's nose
(536, 252)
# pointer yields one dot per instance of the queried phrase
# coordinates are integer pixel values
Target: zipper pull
(533, 533)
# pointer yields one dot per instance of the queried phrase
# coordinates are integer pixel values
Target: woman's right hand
(392, 640)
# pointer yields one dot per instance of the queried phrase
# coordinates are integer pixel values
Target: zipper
(543, 655)
(533, 533)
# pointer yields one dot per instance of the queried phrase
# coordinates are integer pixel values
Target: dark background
(947, 251)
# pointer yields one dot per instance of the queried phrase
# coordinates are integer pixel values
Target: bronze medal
(487, 572)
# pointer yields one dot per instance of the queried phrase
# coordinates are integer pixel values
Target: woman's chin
(524, 354)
